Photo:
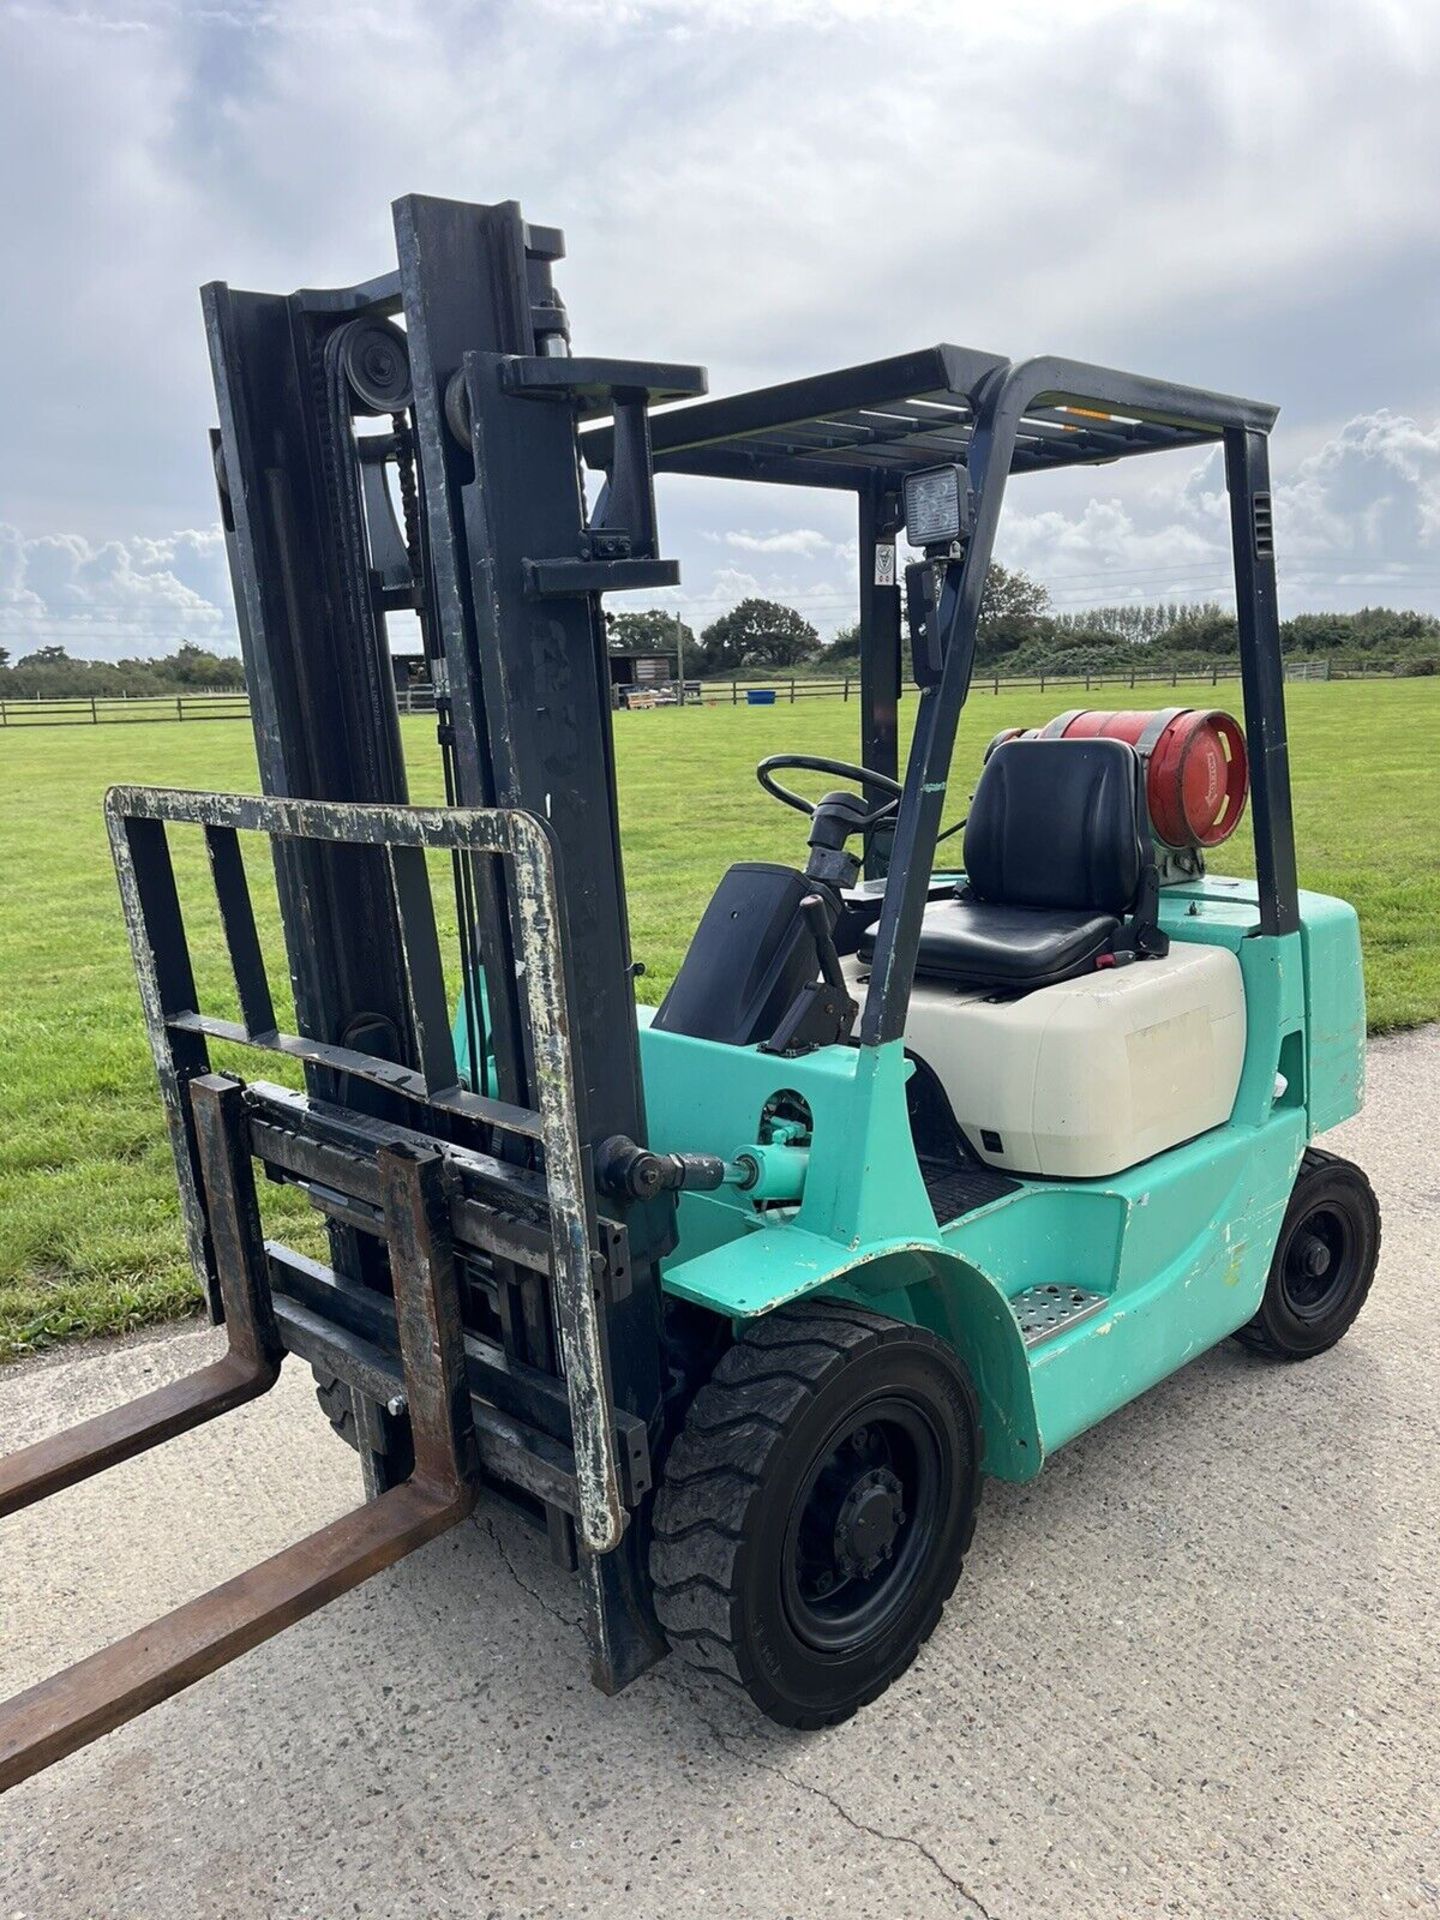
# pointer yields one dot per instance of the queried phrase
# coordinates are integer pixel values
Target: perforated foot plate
(1045, 1311)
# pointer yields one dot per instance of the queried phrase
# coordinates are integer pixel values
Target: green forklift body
(1171, 1255)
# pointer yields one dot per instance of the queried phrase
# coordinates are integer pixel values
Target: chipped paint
(526, 841)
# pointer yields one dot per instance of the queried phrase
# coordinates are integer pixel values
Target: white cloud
(805, 540)
(1358, 519)
(1371, 494)
(1078, 554)
(116, 598)
(1208, 190)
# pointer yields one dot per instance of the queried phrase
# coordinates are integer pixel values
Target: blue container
(760, 696)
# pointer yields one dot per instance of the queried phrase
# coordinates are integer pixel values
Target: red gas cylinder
(1196, 772)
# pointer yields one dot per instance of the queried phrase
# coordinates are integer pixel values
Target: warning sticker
(885, 563)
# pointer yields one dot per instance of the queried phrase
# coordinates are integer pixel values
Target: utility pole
(680, 655)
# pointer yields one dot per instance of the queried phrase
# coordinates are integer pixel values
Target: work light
(937, 506)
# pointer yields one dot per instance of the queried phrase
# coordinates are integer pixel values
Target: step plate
(1042, 1312)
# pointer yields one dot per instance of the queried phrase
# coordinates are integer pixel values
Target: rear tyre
(1324, 1262)
(812, 1515)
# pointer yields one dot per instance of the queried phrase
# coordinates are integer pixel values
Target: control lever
(822, 1013)
(817, 918)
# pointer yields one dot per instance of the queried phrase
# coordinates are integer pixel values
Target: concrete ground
(1194, 1670)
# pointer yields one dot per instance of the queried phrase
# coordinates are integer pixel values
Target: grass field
(89, 1236)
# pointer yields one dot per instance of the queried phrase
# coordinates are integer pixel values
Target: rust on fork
(79, 1451)
(250, 1366)
(94, 1696)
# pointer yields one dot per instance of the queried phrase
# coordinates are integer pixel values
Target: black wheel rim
(862, 1525)
(1321, 1262)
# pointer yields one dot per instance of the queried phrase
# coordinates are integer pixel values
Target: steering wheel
(842, 769)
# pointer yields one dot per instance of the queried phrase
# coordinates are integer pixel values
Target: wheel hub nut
(1314, 1256)
(868, 1522)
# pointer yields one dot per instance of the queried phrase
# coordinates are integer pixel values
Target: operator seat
(1057, 852)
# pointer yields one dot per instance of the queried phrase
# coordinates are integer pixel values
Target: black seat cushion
(1055, 849)
(860, 909)
(977, 944)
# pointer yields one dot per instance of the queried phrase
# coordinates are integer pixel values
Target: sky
(1227, 194)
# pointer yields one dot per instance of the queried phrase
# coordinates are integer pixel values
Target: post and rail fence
(786, 689)
(781, 689)
(98, 709)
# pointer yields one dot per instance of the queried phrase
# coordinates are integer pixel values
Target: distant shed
(643, 666)
(410, 670)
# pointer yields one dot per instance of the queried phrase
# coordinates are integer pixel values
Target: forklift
(919, 1169)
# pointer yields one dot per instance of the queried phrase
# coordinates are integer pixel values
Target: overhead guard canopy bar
(881, 420)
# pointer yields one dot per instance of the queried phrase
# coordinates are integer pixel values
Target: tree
(653, 629)
(758, 633)
(4, 657)
(1013, 610)
(50, 673)
(1388, 627)
(1206, 628)
(1314, 633)
(194, 666)
(844, 649)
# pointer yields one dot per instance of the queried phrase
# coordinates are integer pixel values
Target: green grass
(89, 1238)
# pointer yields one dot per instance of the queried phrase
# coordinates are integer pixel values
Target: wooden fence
(98, 710)
(787, 688)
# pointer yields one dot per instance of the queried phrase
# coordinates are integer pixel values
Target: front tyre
(1324, 1261)
(812, 1515)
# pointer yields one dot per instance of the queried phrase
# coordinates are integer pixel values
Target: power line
(1074, 592)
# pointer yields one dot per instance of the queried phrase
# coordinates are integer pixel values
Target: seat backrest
(1058, 823)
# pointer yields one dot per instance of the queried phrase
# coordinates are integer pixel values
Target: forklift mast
(489, 1309)
(495, 557)
(504, 581)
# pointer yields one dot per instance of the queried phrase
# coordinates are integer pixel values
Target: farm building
(410, 670)
(642, 666)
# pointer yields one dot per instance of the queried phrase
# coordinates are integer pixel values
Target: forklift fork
(77, 1705)
(248, 1368)
(449, 1218)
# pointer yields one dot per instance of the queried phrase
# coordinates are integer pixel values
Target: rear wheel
(1324, 1261)
(812, 1515)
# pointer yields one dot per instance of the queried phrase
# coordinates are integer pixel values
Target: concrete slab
(1192, 1671)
